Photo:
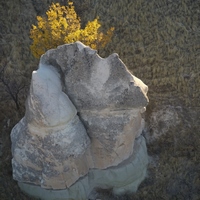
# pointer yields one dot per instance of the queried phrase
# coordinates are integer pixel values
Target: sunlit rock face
(50, 139)
(83, 113)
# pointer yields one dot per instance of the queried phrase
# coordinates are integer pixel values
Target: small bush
(62, 25)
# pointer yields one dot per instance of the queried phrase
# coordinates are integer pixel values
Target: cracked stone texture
(109, 99)
(83, 112)
(50, 139)
(123, 178)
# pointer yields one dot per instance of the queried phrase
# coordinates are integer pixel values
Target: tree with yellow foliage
(62, 25)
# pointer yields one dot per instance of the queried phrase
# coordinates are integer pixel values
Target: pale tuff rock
(96, 83)
(53, 106)
(108, 97)
(49, 135)
(83, 113)
(123, 178)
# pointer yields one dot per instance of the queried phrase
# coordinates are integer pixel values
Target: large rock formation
(82, 117)
(50, 137)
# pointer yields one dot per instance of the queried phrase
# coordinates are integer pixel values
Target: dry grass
(159, 42)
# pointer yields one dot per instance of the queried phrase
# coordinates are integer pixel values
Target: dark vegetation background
(159, 41)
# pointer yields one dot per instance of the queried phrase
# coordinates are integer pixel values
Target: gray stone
(96, 83)
(82, 117)
(124, 178)
(109, 99)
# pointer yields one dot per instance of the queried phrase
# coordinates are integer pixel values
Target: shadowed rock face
(52, 146)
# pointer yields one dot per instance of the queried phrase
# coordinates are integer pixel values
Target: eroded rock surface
(83, 112)
(50, 139)
(123, 178)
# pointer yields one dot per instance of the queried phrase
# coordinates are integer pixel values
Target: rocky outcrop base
(123, 178)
